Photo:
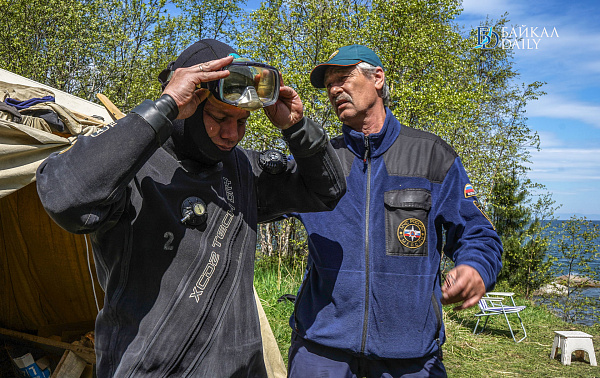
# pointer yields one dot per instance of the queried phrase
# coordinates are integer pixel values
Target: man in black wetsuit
(172, 205)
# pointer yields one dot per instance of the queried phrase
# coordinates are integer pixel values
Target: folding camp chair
(492, 304)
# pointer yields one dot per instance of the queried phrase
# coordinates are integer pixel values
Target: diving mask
(249, 86)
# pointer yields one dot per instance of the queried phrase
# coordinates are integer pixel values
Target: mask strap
(165, 75)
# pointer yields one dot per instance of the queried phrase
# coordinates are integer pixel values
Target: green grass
(492, 353)
(270, 287)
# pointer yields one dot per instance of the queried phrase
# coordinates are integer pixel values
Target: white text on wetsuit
(211, 266)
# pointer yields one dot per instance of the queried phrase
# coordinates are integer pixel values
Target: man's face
(351, 93)
(225, 124)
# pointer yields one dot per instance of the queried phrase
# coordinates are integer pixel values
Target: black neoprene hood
(200, 52)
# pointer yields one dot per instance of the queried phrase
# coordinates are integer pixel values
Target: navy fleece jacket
(372, 284)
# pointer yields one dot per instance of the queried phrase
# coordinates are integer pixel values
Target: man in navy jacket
(172, 203)
(370, 302)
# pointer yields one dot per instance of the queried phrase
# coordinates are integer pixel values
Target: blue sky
(568, 117)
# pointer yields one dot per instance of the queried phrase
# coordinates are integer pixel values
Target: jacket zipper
(438, 316)
(297, 301)
(367, 162)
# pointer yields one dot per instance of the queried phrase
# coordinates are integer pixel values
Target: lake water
(588, 292)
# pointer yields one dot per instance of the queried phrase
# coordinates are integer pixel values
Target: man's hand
(463, 283)
(183, 86)
(288, 110)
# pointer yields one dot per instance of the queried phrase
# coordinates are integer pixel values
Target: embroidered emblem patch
(411, 233)
(333, 54)
(478, 205)
(469, 191)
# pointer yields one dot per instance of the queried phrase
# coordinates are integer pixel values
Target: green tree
(536, 263)
(50, 42)
(114, 47)
(576, 249)
(522, 226)
(510, 216)
(504, 137)
(85, 47)
(216, 19)
(134, 41)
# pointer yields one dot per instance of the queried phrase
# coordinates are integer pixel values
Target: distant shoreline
(577, 281)
(566, 216)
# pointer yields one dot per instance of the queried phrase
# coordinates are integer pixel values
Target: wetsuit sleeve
(471, 238)
(313, 179)
(83, 186)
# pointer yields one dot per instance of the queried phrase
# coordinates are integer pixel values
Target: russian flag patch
(469, 191)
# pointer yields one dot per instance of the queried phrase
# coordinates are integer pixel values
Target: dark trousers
(311, 360)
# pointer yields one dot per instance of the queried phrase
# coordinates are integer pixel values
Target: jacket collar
(378, 143)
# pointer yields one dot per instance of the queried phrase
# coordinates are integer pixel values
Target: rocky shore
(577, 281)
(562, 283)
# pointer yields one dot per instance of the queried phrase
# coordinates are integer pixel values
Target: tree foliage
(504, 136)
(215, 19)
(50, 42)
(114, 47)
(523, 227)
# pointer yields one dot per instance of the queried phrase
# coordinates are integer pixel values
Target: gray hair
(368, 70)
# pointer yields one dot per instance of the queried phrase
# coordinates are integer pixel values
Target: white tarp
(23, 148)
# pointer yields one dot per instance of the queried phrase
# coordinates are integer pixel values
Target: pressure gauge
(193, 211)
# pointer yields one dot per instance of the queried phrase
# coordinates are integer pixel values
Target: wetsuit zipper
(367, 162)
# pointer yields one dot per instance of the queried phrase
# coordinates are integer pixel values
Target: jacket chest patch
(406, 217)
(411, 233)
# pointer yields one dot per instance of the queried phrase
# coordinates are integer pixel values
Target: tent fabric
(24, 146)
(44, 274)
(21, 92)
(75, 123)
(22, 149)
(47, 275)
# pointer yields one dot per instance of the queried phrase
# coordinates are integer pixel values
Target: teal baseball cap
(344, 56)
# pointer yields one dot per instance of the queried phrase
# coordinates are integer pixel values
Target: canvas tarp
(44, 274)
(45, 271)
(22, 149)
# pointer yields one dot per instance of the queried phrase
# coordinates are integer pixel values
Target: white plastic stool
(570, 341)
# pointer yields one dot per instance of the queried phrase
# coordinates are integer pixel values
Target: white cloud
(571, 175)
(554, 106)
(549, 140)
(565, 165)
(558, 51)
(559, 44)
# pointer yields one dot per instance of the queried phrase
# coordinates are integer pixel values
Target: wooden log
(53, 346)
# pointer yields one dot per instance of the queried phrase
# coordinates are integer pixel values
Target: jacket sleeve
(84, 186)
(313, 179)
(471, 238)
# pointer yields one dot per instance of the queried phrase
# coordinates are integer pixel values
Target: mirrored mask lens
(250, 100)
(266, 85)
(235, 84)
(263, 81)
